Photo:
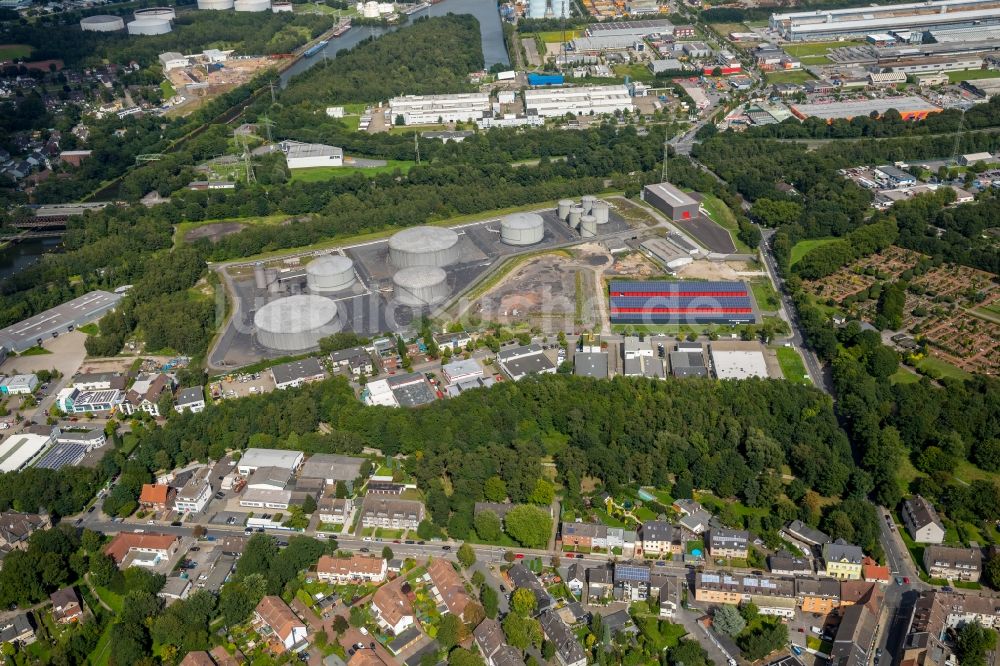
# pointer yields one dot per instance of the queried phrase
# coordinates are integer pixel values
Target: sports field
(14, 51)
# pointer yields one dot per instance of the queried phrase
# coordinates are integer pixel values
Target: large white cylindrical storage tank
(575, 213)
(296, 323)
(329, 273)
(102, 23)
(152, 26)
(156, 12)
(522, 229)
(420, 285)
(218, 5)
(424, 246)
(588, 226)
(370, 9)
(588, 203)
(563, 208)
(600, 211)
(252, 5)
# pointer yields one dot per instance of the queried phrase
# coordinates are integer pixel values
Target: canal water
(18, 256)
(485, 11)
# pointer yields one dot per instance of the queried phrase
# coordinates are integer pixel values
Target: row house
(351, 569)
(771, 595)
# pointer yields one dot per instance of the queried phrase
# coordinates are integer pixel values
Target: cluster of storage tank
(584, 217)
(152, 21)
(522, 229)
(215, 4)
(420, 254)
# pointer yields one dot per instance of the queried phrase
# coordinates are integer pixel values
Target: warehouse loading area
(374, 302)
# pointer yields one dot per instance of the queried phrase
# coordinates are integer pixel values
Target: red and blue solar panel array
(680, 302)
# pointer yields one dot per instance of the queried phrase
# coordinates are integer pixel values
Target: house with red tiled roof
(873, 572)
(351, 569)
(156, 496)
(392, 608)
(66, 606)
(449, 587)
(273, 616)
(132, 549)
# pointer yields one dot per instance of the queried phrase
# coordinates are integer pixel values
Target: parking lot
(240, 386)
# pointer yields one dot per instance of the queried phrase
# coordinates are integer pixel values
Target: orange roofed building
(156, 496)
(873, 572)
(449, 586)
(350, 569)
(274, 614)
(392, 608)
(147, 550)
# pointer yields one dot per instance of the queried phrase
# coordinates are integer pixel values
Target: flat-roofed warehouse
(663, 302)
(306, 155)
(582, 100)
(637, 29)
(861, 21)
(672, 202)
(60, 319)
(910, 108)
(431, 109)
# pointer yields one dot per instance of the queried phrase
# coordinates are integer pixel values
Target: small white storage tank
(252, 5)
(424, 246)
(329, 273)
(149, 26)
(296, 323)
(259, 276)
(370, 9)
(575, 213)
(102, 23)
(156, 12)
(600, 211)
(522, 229)
(215, 4)
(563, 209)
(588, 226)
(588, 203)
(420, 285)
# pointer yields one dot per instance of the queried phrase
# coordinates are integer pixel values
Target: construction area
(202, 77)
(287, 305)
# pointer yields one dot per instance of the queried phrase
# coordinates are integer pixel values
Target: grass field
(932, 364)
(792, 366)
(799, 249)
(317, 174)
(167, 90)
(635, 72)
(13, 51)
(815, 60)
(765, 295)
(903, 376)
(988, 312)
(181, 230)
(968, 472)
(969, 74)
(557, 36)
(815, 48)
(89, 329)
(794, 76)
(721, 215)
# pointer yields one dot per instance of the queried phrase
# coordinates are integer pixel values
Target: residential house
(448, 585)
(772, 595)
(156, 496)
(573, 614)
(190, 400)
(500, 509)
(922, 521)
(585, 535)
(394, 514)
(15, 528)
(961, 609)
(784, 563)
(490, 639)
(356, 360)
(140, 549)
(297, 373)
(728, 543)
(796, 530)
(658, 537)
(873, 572)
(145, 394)
(694, 517)
(197, 658)
(520, 576)
(576, 578)
(619, 622)
(175, 589)
(392, 608)
(631, 581)
(334, 511)
(854, 642)
(66, 606)
(818, 595)
(456, 341)
(569, 652)
(351, 569)
(600, 583)
(963, 564)
(670, 597)
(194, 495)
(843, 560)
(17, 630)
(275, 617)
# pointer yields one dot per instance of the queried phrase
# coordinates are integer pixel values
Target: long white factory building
(860, 21)
(431, 109)
(582, 100)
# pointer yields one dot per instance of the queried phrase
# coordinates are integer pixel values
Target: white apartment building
(583, 100)
(432, 109)
(194, 496)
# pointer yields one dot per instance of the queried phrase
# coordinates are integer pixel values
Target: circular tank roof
(419, 277)
(423, 239)
(294, 314)
(330, 264)
(522, 221)
(102, 19)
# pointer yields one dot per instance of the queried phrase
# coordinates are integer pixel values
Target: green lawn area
(642, 513)
(14, 51)
(721, 215)
(916, 549)
(969, 74)
(792, 366)
(814, 643)
(943, 368)
(110, 598)
(558, 36)
(181, 230)
(695, 545)
(326, 173)
(815, 60)
(800, 249)
(385, 533)
(101, 653)
(636, 72)
(35, 351)
(89, 329)
(815, 48)
(765, 295)
(607, 519)
(166, 89)
(903, 376)
(662, 634)
(968, 472)
(967, 585)
(792, 76)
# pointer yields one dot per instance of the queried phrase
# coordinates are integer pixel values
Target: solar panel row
(62, 455)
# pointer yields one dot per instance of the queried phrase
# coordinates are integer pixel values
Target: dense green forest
(251, 33)
(430, 56)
